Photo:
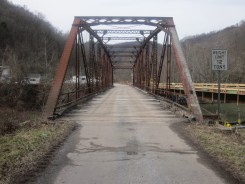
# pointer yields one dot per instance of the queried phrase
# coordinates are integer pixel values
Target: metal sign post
(219, 63)
(218, 93)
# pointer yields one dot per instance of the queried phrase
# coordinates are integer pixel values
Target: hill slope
(198, 54)
(28, 43)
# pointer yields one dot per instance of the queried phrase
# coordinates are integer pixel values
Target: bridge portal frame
(141, 75)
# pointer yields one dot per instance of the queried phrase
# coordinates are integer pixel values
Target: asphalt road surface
(125, 138)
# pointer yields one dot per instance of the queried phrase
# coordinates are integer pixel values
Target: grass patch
(227, 148)
(20, 151)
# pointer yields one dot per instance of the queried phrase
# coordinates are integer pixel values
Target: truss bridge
(97, 47)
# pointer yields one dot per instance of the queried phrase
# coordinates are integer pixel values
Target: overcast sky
(191, 17)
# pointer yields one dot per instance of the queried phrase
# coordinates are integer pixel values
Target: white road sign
(219, 59)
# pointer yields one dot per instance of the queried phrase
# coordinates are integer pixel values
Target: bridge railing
(227, 88)
(73, 97)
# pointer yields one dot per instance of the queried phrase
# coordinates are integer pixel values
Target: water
(229, 111)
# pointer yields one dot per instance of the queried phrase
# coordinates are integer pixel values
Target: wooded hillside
(28, 43)
(198, 54)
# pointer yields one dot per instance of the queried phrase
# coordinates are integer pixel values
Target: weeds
(227, 148)
(19, 152)
(11, 119)
(24, 140)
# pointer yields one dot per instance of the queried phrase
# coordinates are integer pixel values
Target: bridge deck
(125, 137)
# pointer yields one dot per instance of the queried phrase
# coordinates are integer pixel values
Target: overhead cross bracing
(129, 43)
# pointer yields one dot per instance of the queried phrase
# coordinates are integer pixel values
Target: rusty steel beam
(91, 61)
(86, 27)
(185, 76)
(154, 64)
(98, 65)
(60, 74)
(147, 40)
(82, 45)
(169, 54)
(105, 31)
(113, 20)
(77, 69)
(164, 48)
(142, 69)
(122, 38)
(148, 67)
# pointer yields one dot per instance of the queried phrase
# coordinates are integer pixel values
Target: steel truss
(103, 58)
(141, 32)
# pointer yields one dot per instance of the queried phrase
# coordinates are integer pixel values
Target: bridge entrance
(98, 46)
